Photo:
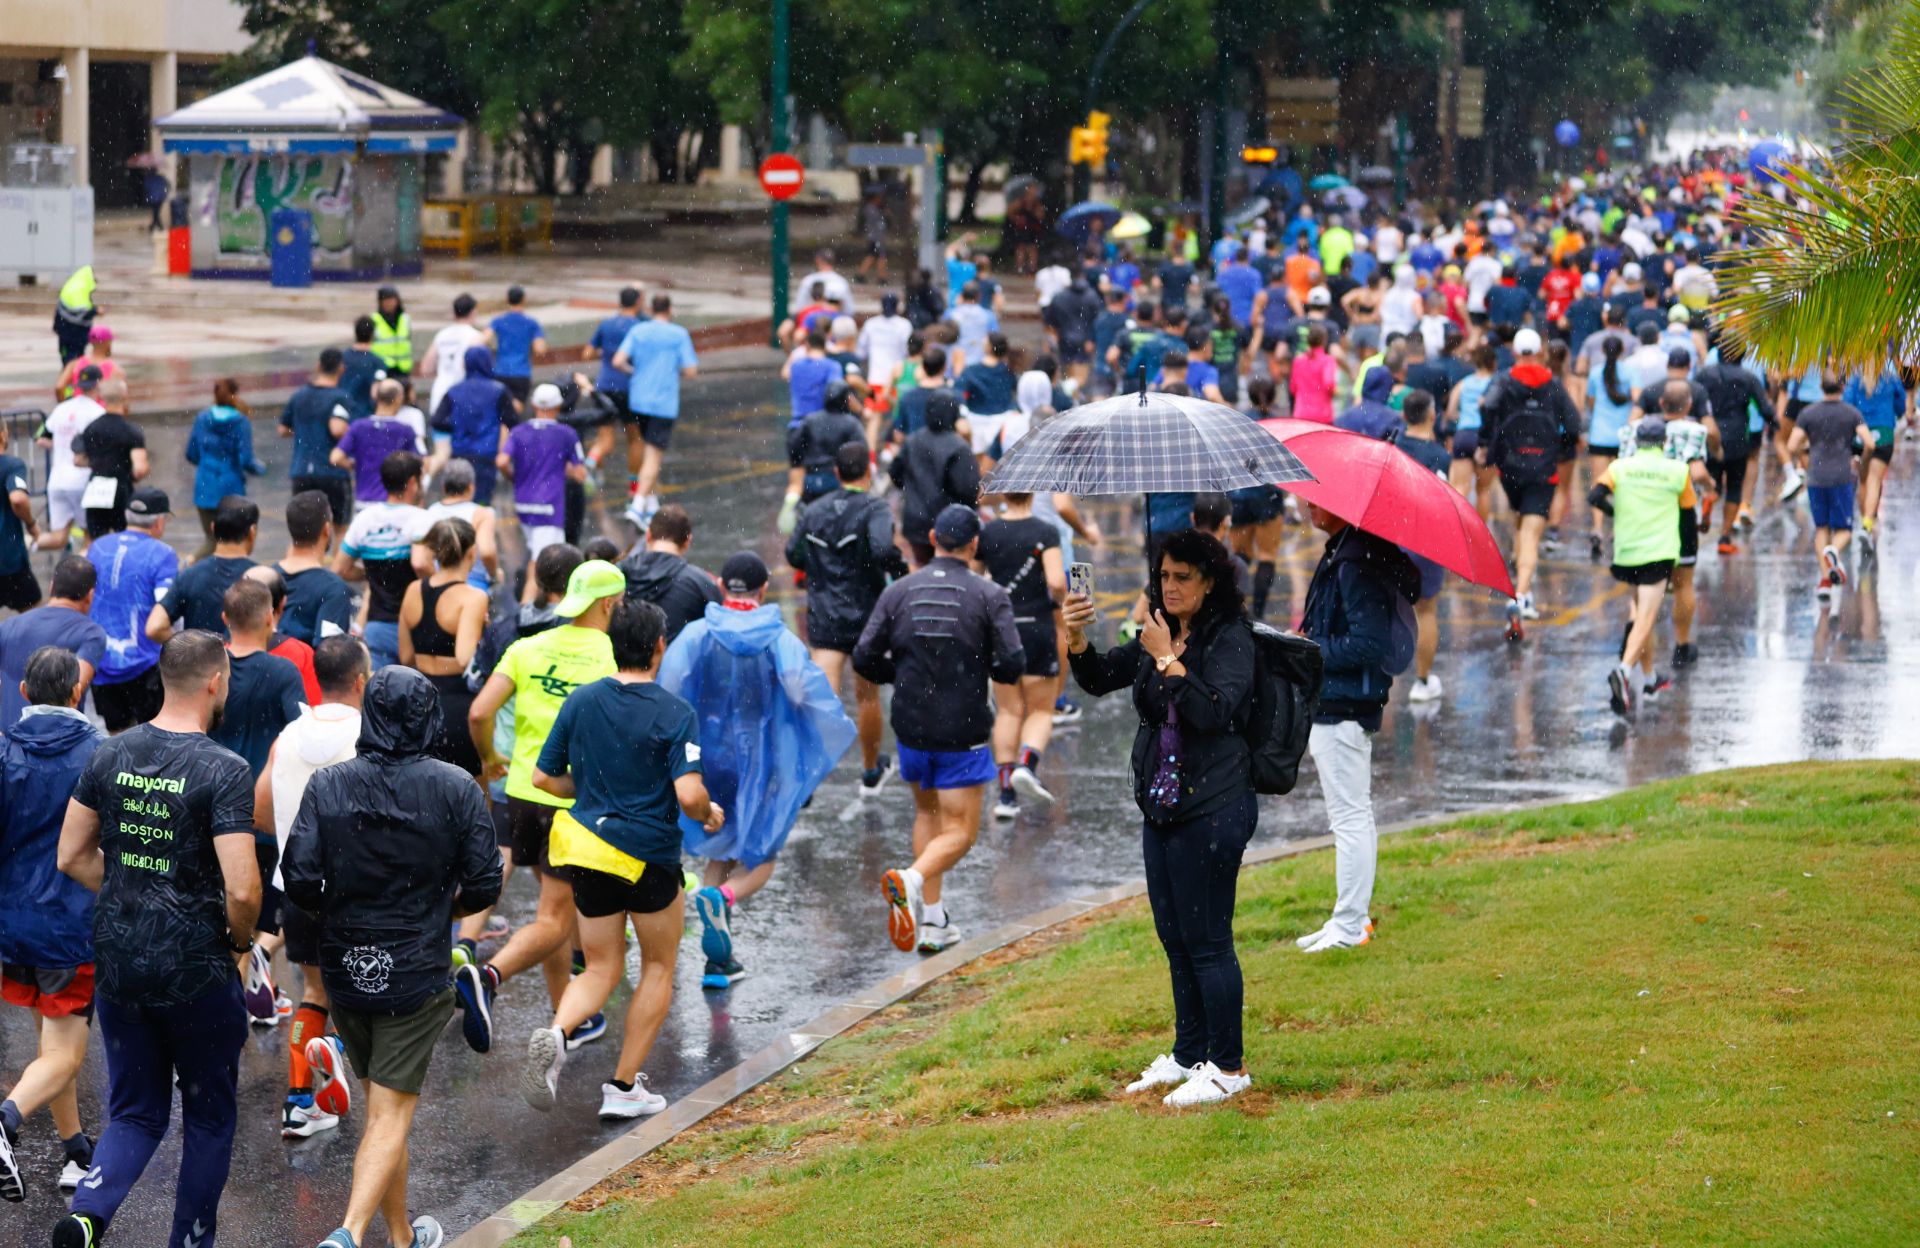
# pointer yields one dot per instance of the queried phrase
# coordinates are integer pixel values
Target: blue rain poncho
(770, 727)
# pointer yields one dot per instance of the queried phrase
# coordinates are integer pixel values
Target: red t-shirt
(300, 654)
(1558, 288)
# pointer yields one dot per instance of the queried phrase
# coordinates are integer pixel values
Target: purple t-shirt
(540, 451)
(368, 441)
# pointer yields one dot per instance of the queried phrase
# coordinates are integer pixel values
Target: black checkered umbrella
(1145, 444)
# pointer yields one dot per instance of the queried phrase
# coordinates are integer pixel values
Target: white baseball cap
(1319, 297)
(1526, 342)
(546, 396)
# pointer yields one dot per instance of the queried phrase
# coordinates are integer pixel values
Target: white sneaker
(428, 1233)
(1791, 483)
(13, 1186)
(1207, 1086)
(540, 1078)
(1527, 610)
(1313, 936)
(1161, 1071)
(1334, 938)
(1427, 690)
(70, 1176)
(298, 1121)
(937, 936)
(904, 908)
(1028, 785)
(1006, 807)
(637, 1103)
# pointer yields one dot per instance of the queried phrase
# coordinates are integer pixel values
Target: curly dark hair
(1210, 557)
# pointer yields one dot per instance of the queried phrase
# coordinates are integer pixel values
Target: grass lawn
(1674, 1017)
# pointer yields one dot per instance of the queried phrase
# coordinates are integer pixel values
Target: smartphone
(1080, 579)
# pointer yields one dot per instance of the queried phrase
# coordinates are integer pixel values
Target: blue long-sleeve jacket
(1350, 612)
(46, 919)
(221, 449)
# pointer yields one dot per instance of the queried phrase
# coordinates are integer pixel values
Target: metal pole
(778, 143)
(1082, 175)
(1217, 191)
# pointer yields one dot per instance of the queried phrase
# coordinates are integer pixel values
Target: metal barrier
(486, 223)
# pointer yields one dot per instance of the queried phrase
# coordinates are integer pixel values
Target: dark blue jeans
(146, 1048)
(1193, 869)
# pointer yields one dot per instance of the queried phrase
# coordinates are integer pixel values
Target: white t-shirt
(64, 422)
(883, 344)
(1482, 272)
(1050, 281)
(416, 420)
(827, 286)
(450, 357)
(322, 736)
(1387, 242)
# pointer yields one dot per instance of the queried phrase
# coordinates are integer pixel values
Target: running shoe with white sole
(475, 986)
(1791, 484)
(428, 1233)
(1425, 690)
(540, 1077)
(331, 1091)
(1065, 711)
(936, 937)
(300, 1119)
(1160, 1072)
(587, 1032)
(722, 975)
(1026, 784)
(716, 924)
(1836, 571)
(1207, 1086)
(71, 1174)
(871, 782)
(342, 1238)
(12, 1186)
(257, 989)
(79, 1230)
(1528, 611)
(497, 928)
(1333, 938)
(1620, 691)
(1655, 685)
(902, 891)
(1007, 805)
(634, 1102)
(1313, 936)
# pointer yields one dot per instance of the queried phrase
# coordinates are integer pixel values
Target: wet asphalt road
(1781, 678)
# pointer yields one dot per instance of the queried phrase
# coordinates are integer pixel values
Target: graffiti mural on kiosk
(250, 189)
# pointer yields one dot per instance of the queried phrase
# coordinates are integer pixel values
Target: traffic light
(1089, 142)
(1259, 155)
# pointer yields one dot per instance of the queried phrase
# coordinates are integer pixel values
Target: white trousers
(1343, 755)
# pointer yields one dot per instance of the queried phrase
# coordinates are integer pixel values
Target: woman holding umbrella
(1191, 671)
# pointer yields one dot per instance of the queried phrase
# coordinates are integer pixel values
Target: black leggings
(1730, 475)
(1192, 871)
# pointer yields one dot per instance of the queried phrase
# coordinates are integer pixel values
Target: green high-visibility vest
(393, 344)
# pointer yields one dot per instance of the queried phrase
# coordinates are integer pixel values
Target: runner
(661, 575)
(940, 635)
(450, 349)
(64, 620)
(66, 480)
(383, 921)
(610, 381)
(1736, 393)
(166, 932)
(221, 449)
(133, 570)
(367, 443)
(659, 357)
(1610, 408)
(883, 348)
(1883, 407)
(1526, 418)
(383, 547)
(46, 919)
(539, 458)
(468, 420)
(1021, 554)
(986, 390)
(319, 604)
(360, 367)
(323, 735)
(1691, 441)
(315, 417)
(934, 470)
(457, 503)
(517, 339)
(1827, 434)
(1468, 474)
(199, 593)
(114, 448)
(814, 444)
(1419, 441)
(538, 672)
(773, 728)
(1643, 494)
(441, 619)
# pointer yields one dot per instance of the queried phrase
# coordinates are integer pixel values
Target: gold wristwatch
(1166, 661)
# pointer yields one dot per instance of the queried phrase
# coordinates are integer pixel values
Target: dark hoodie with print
(1527, 423)
(387, 849)
(475, 409)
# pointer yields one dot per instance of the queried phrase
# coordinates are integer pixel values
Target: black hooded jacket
(387, 848)
(844, 543)
(669, 582)
(935, 467)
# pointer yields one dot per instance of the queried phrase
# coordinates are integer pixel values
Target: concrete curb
(731, 1085)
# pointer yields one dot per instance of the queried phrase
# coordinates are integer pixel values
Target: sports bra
(428, 636)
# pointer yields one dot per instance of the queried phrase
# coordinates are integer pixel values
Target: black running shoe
(1686, 654)
(1619, 692)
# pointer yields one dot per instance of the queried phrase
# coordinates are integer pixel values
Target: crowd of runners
(288, 793)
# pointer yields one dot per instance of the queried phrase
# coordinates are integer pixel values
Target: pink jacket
(1312, 385)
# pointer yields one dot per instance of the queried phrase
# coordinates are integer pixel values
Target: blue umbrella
(1327, 182)
(1077, 222)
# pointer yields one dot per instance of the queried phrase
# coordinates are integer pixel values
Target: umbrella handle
(1140, 384)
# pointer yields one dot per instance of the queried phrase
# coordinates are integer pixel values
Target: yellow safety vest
(393, 344)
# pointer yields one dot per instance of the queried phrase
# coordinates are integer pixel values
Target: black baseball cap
(88, 377)
(149, 502)
(955, 526)
(743, 573)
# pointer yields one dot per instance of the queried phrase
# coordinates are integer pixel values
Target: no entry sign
(781, 176)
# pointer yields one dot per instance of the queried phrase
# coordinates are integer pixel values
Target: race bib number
(101, 493)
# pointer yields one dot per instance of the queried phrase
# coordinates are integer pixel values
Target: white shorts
(1017, 425)
(985, 430)
(64, 510)
(541, 536)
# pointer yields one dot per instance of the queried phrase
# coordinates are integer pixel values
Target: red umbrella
(1376, 486)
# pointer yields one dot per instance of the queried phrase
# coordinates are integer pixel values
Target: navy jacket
(1350, 613)
(46, 919)
(1371, 415)
(475, 409)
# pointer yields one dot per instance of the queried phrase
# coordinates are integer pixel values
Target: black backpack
(1530, 437)
(1286, 692)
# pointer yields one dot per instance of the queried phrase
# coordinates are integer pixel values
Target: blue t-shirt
(132, 573)
(198, 597)
(959, 273)
(658, 350)
(974, 321)
(1200, 375)
(1124, 274)
(308, 413)
(1605, 418)
(42, 626)
(1472, 388)
(607, 338)
(1240, 284)
(513, 334)
(1883, 408)
(316, 598)
(264, 695)
(987, 389)
(807, 380)
(625, 745)
(13, 534)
